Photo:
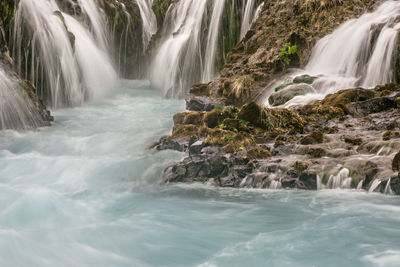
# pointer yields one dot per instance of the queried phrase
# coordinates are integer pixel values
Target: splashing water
(16, 108)
(341, 180)
(71, 54)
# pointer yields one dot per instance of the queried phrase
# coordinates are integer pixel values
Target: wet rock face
(260, 147)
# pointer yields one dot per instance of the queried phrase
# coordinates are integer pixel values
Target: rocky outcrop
(281, 23)
(305, 148)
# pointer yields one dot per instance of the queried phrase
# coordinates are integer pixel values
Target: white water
(342, 180)
(357, 54)
(178, 58)
(75, 71)
(250, 15)
(189, 44)
(16, 109)
(212, 41)
(85, 192)
(149, 21)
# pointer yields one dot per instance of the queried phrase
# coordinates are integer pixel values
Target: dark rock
(396, 162)
(307, 180)
(179, 144)
(202, 103)
(375, 105)
(196, 147)
(395, 185)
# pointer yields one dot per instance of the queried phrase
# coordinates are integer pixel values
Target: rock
(202, 103)
(178, 144)
(396, 162)
(316, 137)
(395, 185)
(354, 140)
(193, 117)
(196, 147)
(258, 153)
(307, 180)
(213, 118)
(282, 86)
(184, 131)
(286, 94)
(304, 79)
(179, 117)
(252, 113)
(375, 105)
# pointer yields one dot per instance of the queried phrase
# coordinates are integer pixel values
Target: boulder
(288, 93)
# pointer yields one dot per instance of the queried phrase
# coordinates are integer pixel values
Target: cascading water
(250, 15)
(190, 42)
(209, 64)
(358, 54)
(177, 60)
(68, 54)
(16, 108)
(149, 20)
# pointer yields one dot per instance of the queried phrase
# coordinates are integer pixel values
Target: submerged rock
(304, 79)
(289, 92)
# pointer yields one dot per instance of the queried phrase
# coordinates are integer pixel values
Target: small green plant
(229, 137)
(287, 51)
(218, 107)
(223, 126)
(243, 123)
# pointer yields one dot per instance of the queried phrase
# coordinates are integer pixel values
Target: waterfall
(359, 52)
(174, 65)
(16, 108)
(209, 65)
(388, 189)
(341, 180)
(374, 186)
(149, 20)
(69, 53)
(248, 13)
(190, 43)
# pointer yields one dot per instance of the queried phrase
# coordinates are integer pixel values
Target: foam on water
(86, 192)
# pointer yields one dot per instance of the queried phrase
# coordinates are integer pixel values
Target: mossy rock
(252, 113)
(213, 118)
(258, 153)
(304, 79)
(282, 86)
(288, 93)
(184, 131)
(353, 140)
(316, 137)
(193, 117)
(179, 117)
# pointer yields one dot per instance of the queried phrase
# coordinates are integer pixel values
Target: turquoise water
(86, 192)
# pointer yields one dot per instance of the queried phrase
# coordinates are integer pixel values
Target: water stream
(86, 192)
